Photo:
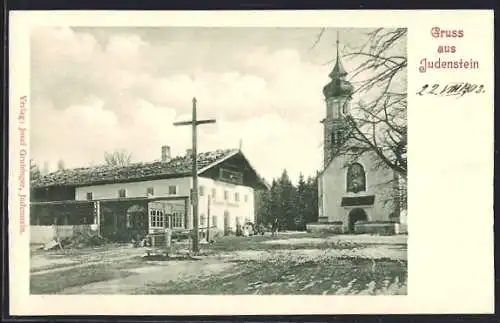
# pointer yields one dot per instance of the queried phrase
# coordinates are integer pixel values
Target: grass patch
(332, 276)
(232, 243)
(51, 266)
(57, 281)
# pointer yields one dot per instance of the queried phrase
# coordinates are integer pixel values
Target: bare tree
(60, 164)
(117, 158)
(34, 170)
(379, 123)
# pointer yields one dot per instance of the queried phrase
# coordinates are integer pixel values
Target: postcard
(251, 162)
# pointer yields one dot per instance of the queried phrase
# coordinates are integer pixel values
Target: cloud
(95, 94)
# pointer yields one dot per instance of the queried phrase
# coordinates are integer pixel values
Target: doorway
(354, 216)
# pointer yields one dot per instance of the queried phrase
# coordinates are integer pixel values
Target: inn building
(141, 198)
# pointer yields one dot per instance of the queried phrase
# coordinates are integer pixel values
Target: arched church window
(356, 178)
(345, 107)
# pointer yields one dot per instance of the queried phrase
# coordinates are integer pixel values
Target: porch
(114, 219)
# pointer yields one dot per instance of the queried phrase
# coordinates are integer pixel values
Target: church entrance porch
(354, 216)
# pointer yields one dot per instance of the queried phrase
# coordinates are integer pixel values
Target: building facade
(350, 190)
(149, 197)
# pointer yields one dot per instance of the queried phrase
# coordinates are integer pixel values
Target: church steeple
(338, 70)
(337, 96)
(338, 85)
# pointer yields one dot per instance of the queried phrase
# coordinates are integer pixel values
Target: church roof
(176, 167)
(338, 85)
(338, 70)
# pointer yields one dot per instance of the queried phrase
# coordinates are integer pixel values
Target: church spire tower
(337, 97)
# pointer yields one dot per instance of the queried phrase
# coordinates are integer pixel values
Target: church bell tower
(337, 97)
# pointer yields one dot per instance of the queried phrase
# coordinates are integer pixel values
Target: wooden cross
(194, 123)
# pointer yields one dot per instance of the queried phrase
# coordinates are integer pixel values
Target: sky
(99, 89)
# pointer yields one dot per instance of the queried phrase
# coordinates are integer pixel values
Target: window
(150, 191)
(345, 107)
(129, 220)
(214, 193)
(355, 178)
(122, 193)
(236, 197)
(172, 190)
(246, 198)
(214, 220)
(90, 196)
(177, 220)
(158, 219)
(202, 190)
(226, 195)
(202, 220)
(334, 138)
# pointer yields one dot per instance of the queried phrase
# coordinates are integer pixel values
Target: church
(358, 195)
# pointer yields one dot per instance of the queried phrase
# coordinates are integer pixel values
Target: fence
(45, 233)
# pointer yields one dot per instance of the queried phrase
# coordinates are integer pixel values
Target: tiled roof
(180, 165)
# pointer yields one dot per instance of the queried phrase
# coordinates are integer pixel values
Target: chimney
(165, 153)
(189, 152)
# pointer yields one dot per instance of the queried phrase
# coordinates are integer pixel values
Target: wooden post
(168, 240)
(168, 225)
(194, 172)
(98, 216)
(194, 196)
(208, 218)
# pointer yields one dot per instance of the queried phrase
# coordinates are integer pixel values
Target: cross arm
(205, 121)
(183, 123)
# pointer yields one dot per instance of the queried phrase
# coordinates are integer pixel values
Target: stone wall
(329, 227)
(377, 227)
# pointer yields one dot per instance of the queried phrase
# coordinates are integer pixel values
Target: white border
(450, 191)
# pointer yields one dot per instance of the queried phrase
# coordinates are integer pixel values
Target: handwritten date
(452, 89)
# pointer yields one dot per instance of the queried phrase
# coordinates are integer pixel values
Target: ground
(292, 263)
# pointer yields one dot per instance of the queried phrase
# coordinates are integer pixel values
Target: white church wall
(378, 183)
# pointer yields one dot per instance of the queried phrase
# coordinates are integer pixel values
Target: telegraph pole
(194, 123)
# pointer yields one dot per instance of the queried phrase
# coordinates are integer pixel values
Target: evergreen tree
(286, 206)
(274, 209)
(287, 202)
(302, 204)
(311, 213)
